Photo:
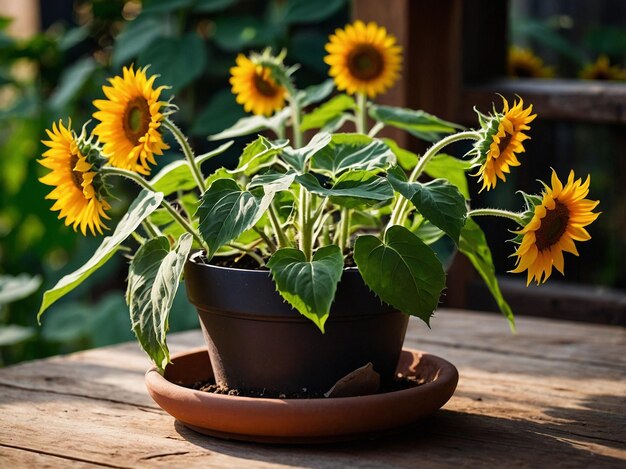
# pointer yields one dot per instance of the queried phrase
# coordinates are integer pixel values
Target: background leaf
(403, 271)
(18, 287)
(308, 286)
(135, 37)
(179, 61)
(474, 245)
(310, 11)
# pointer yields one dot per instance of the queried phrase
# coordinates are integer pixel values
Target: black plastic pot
(257, 341)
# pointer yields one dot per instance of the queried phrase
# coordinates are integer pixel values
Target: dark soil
(246, 262)
(398, 384)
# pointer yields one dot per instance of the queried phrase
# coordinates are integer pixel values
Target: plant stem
(344, 236)
(188, 152)
(400, 208)
(276, 226)
(108, 170)
(270, 244)
(496, 212)
(249, 252)
(305, 241)
(361, 120)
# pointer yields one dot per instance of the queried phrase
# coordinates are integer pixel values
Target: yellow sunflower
(129, 121)
(504, 142)
(255, 88)
(75, 182)
(363, 58)
(522, 63)
(601, 69)
(556, 223)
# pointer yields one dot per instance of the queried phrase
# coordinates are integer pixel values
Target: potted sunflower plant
(305, 259)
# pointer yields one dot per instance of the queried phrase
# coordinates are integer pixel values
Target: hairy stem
(399, 211)
(188, 152)
(361, 118)
(496, 212)
(108, 170)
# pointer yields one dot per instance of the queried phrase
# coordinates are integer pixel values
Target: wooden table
(552, 395)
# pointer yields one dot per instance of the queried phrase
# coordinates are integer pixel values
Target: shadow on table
(602, 416)
(447, 438)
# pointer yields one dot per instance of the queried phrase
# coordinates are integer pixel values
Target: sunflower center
(365, 62)
(136, 119)
(265, 87)
(553, 225)
(77, 176)
(504, 142)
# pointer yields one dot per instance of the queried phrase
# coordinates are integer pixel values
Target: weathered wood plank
(553, 393)
(589, 101)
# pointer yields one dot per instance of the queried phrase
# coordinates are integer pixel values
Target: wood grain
(551, 395)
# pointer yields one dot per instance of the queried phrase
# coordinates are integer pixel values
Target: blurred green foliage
(57, 73)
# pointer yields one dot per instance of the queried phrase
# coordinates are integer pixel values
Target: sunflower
(255, 88)
(77, 186)
(522, 63)
(556, 223)
(363, 59)
(129, 121)
(502, 140)
(601, 69)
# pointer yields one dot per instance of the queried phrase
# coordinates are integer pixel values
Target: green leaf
(418, 123)
(258, 154)
(153, 279)
(425, 230)
(308, 286)
(357, 188)
(212, 6)
(474, 245)
(226, 211)
(316, 93)
(306, 47)
(450, 168)
(273, 181)
(222, 110)
(14, 334)
(352, 189)
(298, 158)
(145, 203)
(327, 112)
(406, 159)
(438, 201)
(135, 37)
(178, 61)
(73, 37)
(72, 81)
(310, 11)
(254, 124)
(352, 151)
(177, 175)
(403, 271)
(16, 288)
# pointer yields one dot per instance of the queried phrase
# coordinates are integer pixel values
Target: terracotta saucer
(300, 420)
